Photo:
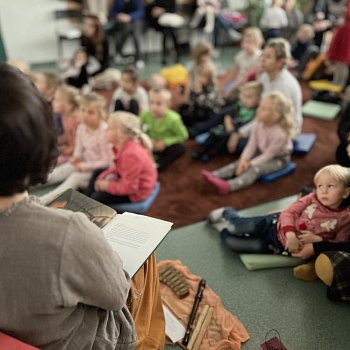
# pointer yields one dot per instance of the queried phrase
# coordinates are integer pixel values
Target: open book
(134, 237)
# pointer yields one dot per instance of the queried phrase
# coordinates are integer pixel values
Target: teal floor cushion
(267, 261)
(289, 168)
(321, 110)
(303, 143)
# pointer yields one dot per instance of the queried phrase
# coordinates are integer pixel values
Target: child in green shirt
(164, 127)
(223, 138)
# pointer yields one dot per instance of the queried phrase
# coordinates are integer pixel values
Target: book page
(134, 237)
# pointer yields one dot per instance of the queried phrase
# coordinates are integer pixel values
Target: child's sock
(305, 272)
(324, 269)
(222, 185)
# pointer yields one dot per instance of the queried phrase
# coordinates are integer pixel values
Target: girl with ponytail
(133, 176)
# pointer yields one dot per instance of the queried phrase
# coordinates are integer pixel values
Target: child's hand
(243, 165)
(309, 237)
(101, 185)
(229, 127)
(307, 251)
(293, 244)
(77, 166)
(73, 160)
(232, 142)
(158, 145)
(123, 17)
(157, 11)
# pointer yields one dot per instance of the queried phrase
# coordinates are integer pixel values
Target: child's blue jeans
(251, 234)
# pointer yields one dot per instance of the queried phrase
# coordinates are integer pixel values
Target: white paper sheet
(134, 237)
(173, 327)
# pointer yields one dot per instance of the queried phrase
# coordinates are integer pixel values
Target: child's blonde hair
(338, 172)
(96, 100)
(208, 70)
(254, 34)
(131, 126)
(53, 80)
(254, 86)
(284, 107)
(200, 49)
(70, 94)
(281, 47)
(307, 30)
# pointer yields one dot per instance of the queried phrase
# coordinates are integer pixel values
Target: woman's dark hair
(28, 143)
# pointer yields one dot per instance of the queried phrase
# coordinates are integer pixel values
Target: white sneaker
(208, 28)
(140, 64)
(234, 35)
(215, 215)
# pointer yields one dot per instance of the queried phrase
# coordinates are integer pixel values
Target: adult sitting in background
(339, 51)
(128, 16)
(343, 149)
(323, 15)
(276, 76)
(95, 42)
(153, 12)
(295, 19)
(91, 58)
(75, 290)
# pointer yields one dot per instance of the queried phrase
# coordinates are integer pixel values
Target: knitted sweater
(307, 213)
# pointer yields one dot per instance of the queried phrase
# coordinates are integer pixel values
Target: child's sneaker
(216, 215)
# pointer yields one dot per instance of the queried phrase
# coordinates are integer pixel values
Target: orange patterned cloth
(146, 308)
(225, 331)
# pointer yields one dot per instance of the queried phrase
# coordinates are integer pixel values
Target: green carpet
(264, 299)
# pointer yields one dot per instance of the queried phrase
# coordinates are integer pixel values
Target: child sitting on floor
(164, 127)
(65, 107)
(130, 96)
(268, 149)
(224, 137)
(318, 216)
(133, 176)
(201, 53)
(91, 149)
(204, 100)
(47, 84)
(245, 63)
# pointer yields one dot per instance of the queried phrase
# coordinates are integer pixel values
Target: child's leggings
(71, 179)
(252, 174)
